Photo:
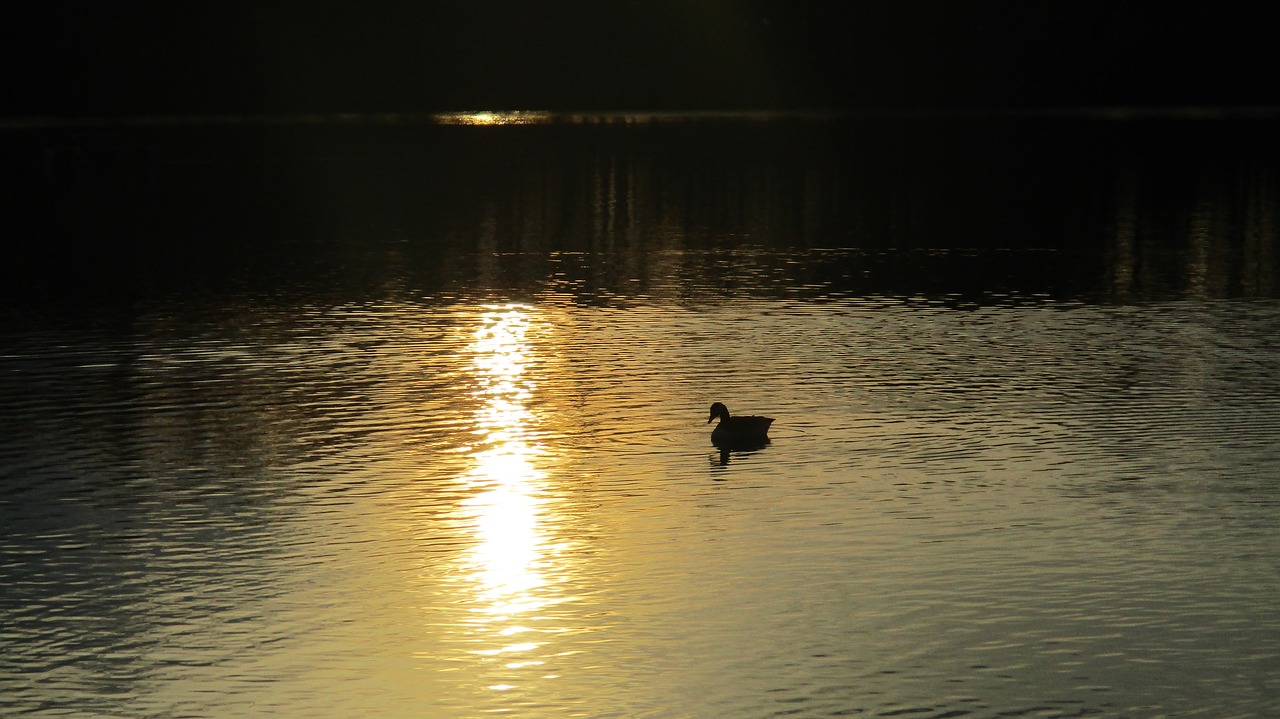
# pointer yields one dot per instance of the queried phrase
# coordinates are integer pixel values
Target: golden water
(414, 508)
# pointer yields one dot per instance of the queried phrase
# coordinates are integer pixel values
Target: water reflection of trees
(1209, 235)
(1131, 211)
(1186, 219)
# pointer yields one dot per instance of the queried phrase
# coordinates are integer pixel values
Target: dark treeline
(75, 58)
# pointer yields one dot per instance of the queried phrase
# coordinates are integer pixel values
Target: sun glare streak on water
(508, 564)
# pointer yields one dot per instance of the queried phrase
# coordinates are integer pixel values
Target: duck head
(718, 410)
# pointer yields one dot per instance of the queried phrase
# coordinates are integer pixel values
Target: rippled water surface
(497, 494)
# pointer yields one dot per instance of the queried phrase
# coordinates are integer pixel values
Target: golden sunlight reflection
(513, 559)
(517, 117)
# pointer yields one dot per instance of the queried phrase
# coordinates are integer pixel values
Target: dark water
(388, 420)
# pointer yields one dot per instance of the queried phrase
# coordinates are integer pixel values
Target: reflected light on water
(509, 564)
(525, 117)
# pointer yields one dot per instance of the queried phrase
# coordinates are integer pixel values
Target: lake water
(404, 421)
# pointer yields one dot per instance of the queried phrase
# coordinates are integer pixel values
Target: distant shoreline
(641, 117)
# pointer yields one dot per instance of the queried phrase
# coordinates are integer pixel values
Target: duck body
(738, 430)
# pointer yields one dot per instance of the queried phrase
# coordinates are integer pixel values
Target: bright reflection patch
(518, 117)
(508, 562)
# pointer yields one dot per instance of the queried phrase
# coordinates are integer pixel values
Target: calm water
(429, 440)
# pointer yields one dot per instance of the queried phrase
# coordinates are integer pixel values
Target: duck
(738, 430)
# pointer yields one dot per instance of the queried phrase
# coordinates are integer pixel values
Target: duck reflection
(513, 560)
(728, 450)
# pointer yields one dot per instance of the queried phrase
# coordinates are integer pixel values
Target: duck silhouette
(738, 432)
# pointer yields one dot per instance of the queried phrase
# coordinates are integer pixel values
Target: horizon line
(496, 117)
